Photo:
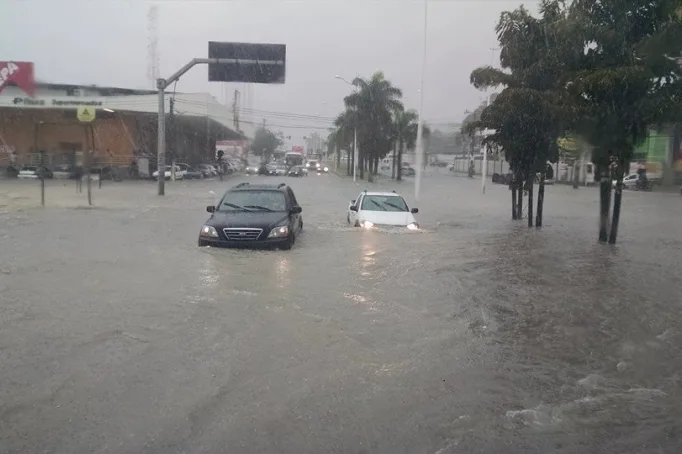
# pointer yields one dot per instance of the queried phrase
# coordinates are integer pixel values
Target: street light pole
(420, 125)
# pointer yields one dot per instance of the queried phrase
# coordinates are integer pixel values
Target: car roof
(382, 193)
(267, 187)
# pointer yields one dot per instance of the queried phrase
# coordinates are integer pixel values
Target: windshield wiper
(399, 208)
(377, 204)
(236, 207)
(258, 207)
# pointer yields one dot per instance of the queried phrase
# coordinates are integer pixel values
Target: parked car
(32, 172)
(179, 174)
(208, 170)
(190, 173)
(629, 182)
(408, 171)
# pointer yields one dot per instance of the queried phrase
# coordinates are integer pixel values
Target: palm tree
(405, 125)
(374, 103)
(345, 124)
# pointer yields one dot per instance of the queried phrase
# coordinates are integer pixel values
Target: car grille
(242, 234)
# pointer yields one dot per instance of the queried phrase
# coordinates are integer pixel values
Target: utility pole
(420, 125)
(162, 84)
(171, 125)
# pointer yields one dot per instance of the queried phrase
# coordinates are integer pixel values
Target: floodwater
(118, 334)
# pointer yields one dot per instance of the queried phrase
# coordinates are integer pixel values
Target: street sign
(248, 70)
(86, 114)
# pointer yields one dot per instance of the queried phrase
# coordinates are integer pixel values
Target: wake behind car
(375, 209)
(253, 215)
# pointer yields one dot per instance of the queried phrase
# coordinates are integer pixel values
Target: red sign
(19, 73)
(297, 149)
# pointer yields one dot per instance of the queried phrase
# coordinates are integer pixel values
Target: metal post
(86, 158)
(484, 170)
(355, 154)
(42, 178)
(161, 140)
(420, 126)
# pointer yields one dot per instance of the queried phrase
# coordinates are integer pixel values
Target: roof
(105, 91)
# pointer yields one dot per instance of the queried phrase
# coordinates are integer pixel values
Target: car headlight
(208, 231)
(326, 169)
(307, 165)
(279, 232)
(367, 224)
(413, 226)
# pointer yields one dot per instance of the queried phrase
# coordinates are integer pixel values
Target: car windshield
(253, 200)
(383, 203)
(30, 169)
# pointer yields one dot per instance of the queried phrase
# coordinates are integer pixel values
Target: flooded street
(118, 334)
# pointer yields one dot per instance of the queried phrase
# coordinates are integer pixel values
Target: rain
(487, 326)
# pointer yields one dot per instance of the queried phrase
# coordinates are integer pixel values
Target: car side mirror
(352, 202)
(414, 210)
(210, 209)
(354, 208)
(296, 210)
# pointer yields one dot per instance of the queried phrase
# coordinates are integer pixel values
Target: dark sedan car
(253, 215)
(298, 171)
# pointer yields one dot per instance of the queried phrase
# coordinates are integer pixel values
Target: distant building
(125, 126)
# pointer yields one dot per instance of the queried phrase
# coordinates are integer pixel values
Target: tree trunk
(361, 166)
(530, 201)
(338, 158)
(604, 206)
(618, 197)
(576, 174)
(519, 196)
(395, 146)
(399, 164)
(512, 187)
(541, 200)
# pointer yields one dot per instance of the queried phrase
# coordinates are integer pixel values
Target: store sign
(53, 102)
(19, 73)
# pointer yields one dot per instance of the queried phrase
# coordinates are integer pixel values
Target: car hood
(387, 217)
(260, 219)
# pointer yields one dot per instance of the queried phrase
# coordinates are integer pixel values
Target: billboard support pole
(162, 84)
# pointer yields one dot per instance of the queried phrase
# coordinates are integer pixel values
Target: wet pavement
(118, 334)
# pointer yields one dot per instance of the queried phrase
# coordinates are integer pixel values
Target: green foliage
(265, 142)
(526, 116)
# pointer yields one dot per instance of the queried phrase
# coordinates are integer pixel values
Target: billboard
(251, 72)
(19, 73)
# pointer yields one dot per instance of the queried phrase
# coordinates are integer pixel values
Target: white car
(381, 209)
(629, 181)
(179, 173)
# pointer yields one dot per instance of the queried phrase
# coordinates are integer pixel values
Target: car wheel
(348, 218)
(289, 243)
(357, 224)
(300, 228)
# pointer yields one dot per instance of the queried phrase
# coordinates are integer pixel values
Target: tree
(344, 135)
(626, 80)
(265, 142)
(525, 116)
(405, 133)
(374, 103)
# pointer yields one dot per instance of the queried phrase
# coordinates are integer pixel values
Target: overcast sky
(105, 42)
